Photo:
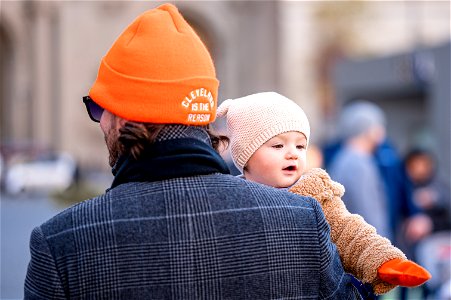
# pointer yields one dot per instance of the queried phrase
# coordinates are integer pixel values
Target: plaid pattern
(203, 237)
(175, 131)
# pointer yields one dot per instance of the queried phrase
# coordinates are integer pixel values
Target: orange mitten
(403, 272)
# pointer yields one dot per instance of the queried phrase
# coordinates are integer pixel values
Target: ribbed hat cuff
(151, 101)
(242, 153)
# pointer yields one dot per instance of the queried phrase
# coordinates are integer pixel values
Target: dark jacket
(211, 236)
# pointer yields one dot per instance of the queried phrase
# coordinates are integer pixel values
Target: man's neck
(361, 145)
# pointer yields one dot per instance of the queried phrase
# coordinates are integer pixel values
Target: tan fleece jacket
(362, 250)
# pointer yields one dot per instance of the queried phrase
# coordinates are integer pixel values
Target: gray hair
(359, 117)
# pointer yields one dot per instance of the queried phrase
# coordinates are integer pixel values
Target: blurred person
(398, 191)
(404, 216)
(362, 129)
(175, 224)
(269, 135)
(430, 192)
(364, 150)
(434, 252)
(401, 208)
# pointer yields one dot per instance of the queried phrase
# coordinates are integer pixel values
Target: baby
(269, 135)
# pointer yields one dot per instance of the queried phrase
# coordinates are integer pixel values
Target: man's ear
(120, 122)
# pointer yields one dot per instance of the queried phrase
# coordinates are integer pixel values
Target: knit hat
(158, 71)
(254, 119)
(358, 117)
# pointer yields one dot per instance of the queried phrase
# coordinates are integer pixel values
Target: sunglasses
(94, 110)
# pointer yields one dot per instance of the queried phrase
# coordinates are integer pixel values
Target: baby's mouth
(290, 168)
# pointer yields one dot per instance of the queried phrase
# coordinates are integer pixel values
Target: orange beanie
(158, 71)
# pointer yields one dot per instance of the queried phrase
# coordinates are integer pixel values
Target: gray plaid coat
(201, 237)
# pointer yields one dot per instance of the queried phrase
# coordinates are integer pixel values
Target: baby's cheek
(303, 162)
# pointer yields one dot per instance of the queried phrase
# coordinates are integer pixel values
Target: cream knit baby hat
(254, 119)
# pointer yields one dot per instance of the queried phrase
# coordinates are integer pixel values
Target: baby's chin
(286, 184)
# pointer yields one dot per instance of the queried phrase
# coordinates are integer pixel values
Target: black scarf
(169, 159)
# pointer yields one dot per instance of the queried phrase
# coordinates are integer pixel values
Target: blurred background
(321, 54)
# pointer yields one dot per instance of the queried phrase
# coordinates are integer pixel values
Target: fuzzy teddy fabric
(362, 250)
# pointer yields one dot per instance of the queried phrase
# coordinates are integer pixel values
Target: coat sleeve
(42, 280)
(362, 250)
(334, 282)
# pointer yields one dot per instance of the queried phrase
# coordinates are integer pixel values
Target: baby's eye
(278, 146)
(300, 146)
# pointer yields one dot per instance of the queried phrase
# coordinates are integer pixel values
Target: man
(174, 224)
(366, 165)
(362, 128)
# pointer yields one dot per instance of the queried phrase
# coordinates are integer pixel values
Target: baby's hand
(317, 183)
(403, 272)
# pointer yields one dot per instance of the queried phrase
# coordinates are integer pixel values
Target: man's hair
(134, 137)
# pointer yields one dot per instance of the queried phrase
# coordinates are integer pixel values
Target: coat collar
(169, 159)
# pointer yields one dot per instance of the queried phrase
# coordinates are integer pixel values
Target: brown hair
(135, 136)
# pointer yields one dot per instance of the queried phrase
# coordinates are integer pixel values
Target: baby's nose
(292, 154)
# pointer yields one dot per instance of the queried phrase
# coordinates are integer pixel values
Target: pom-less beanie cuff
(244, 154)
(156, 101)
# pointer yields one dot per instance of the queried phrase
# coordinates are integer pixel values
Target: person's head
(269, 134)
(420, 166)
(364, 122)
(157, 72)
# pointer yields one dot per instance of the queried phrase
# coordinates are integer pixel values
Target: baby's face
(280, 161)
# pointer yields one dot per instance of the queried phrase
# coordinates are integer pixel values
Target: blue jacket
(210, 236)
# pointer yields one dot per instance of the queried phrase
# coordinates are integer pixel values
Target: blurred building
(50, 52)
